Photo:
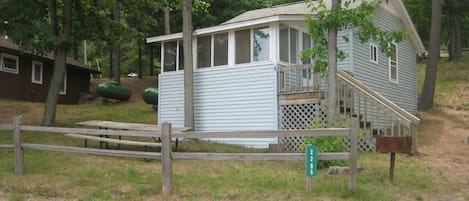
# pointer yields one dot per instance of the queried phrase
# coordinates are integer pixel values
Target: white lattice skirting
(301, 116)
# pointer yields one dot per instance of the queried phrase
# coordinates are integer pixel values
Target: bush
(328, 143)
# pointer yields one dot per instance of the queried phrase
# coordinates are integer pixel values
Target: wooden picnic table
(128, 126)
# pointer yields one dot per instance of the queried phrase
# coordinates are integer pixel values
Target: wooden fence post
(353, 154)
(413, 132)
(18, 138)
(166, 170)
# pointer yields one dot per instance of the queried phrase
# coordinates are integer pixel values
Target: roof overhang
(226, 27)
(396, 4)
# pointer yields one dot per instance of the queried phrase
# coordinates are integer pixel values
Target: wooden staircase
(301, 92)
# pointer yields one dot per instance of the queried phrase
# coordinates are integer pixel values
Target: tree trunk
(457, 30)
(59, 66)
(454, 30)
(331, 70)
(167, 27)
(111, 63)
(140, 65)
(151, 60)
(75, 50)
(188, 67)
(53, 16)
(428, 91)
(116, 49)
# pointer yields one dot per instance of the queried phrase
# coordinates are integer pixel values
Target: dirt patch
(449, 150)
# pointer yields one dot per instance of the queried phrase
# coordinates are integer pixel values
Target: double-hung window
(9, 63)
(173, 58)
(373, 53)
(37, 72)
(252, 45)
(393, 63)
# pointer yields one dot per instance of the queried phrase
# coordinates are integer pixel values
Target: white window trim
(177, 55)
(374, 47)
(162, 56)
(64, 91)
(33, 80)
(3, 55)
(396, 81)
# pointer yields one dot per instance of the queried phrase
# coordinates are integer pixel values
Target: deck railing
(297, 79)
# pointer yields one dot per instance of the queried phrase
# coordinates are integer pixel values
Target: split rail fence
(167, 155)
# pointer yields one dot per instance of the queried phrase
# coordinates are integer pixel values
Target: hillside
(134, 84)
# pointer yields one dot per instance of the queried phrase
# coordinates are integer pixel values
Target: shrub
(328, 143)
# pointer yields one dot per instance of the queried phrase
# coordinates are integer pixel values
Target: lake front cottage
(248, 75)
(26, 76)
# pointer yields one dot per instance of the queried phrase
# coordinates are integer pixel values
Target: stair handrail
(403, 114)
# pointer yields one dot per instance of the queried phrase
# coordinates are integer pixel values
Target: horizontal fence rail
(167, 155)
(93, 151)
(257, 156)
(266, 134)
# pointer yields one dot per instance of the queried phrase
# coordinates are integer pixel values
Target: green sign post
(311, 165)
(311, 160)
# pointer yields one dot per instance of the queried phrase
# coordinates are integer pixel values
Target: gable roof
(8, 45)
(298, 8)
(296, 11)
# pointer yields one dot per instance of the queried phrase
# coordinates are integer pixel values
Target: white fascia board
(226, 27)
(164, 37)
(409, 26)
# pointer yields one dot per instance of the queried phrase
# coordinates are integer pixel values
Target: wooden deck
(299, 98)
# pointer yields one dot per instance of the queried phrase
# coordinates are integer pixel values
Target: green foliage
(328, 143)
(26, 22)
(359, 19)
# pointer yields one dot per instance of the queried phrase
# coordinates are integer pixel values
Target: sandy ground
(450, 149)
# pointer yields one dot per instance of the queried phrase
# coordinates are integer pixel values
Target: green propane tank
(113, 90)
(150, 96)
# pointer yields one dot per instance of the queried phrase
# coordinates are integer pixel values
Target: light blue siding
(344, 45)
(225, 99)
(236, 98)
(171, 98)
(376, 76)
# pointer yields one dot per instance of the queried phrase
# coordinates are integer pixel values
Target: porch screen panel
(283, 43)
(220, 46)
(170, 51)
(293, 46)
(243, 49)
(261, 44)
(306, 45)
(204, 45)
